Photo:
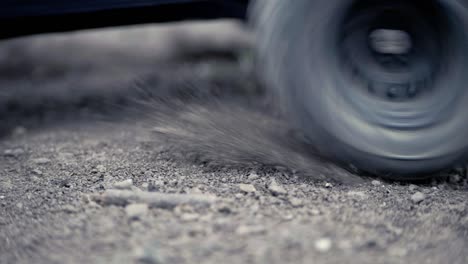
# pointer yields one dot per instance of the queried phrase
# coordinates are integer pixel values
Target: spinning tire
(379, 85)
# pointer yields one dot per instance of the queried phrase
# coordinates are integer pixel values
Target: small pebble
(94, 205)
(296, 202)
(398, 252)
(323, 244)
(189, 217)
(376, 183)
(288, 217)
(412, 187)
(250, 230)
(225, 209)
(345, 245)
(136, 211)
(247, 188)
(418, 197)
(253, 176)
(13, 152)
(314, 212)
(358, 195)
(2, 197)
(328, 185)
(69, 209)
(124, 185)
(145, 186)
(37, 172)
(276, 189)
(101, 168)
(41, 161)
(196, 190)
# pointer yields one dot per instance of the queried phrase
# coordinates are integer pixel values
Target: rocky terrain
(115, 157)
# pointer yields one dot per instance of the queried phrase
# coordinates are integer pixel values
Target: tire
(399, 113)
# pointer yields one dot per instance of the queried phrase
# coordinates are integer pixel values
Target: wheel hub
(390, 41)
(391, 48)
(396, 58)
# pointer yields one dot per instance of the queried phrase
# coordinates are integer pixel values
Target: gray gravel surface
(199, 170)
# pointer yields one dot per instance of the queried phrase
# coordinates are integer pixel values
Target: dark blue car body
(22, 17)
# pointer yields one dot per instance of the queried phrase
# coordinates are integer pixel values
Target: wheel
(376, 84)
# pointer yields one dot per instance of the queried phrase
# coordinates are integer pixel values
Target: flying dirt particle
(18, 131)
(455, 178)
(225, 120)
(234, 136)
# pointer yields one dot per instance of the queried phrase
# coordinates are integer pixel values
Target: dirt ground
(111, 155)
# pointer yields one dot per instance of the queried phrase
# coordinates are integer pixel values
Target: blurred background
(66, 72)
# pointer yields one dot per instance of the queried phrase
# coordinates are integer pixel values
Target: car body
(24, 17)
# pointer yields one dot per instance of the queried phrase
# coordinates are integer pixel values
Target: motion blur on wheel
(379, 85)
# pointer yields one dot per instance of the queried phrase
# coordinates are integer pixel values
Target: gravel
(183, 201)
